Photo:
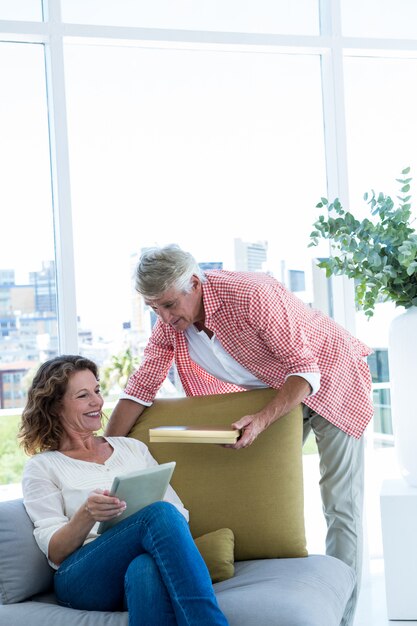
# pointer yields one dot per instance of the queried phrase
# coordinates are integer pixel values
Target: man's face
(179, 309)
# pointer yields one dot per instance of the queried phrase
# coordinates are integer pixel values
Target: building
(28, 317)
(211, 265)
(250, 256)
(12, 389)
(44, 284)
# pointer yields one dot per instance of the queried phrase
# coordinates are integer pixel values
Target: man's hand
(251, 426)
(293, 391)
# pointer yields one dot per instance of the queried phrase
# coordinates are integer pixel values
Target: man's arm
(293, 391)
(123, 417)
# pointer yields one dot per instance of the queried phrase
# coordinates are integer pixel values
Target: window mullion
(60, 175)
(341, 296)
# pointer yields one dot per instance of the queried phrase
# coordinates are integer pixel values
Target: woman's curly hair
(41, 428)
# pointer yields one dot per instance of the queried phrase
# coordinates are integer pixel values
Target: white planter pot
(402, 358)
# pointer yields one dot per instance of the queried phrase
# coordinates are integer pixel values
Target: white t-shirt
(55, 486)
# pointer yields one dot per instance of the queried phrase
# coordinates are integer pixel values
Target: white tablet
(138, 489)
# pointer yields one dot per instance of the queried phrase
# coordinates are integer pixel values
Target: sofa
(246, 515)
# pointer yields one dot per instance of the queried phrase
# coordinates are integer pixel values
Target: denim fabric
(149, 564)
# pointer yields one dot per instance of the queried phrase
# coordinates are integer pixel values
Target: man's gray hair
(160, 269)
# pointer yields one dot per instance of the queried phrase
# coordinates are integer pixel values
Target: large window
(28, 311)
(220, 151)
(381, 140)
(217, 125)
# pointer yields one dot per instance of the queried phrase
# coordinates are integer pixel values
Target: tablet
(138, 489)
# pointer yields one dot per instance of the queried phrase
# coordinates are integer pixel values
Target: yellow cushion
(217, 550)
(257, 492)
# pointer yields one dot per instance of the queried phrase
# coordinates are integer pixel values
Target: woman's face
(82, 403)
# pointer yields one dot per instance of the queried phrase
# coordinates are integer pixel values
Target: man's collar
(211, 300)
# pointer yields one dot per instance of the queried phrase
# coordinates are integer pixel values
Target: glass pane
(220, 152)
(28, 323)
(27, 10)
(254, 16)
(380, 18)
(382, 135)
(382, 417)
(381, 100)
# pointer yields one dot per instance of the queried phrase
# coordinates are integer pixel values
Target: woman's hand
(101, 506)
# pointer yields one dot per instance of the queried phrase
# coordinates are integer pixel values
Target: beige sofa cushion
(257, 492)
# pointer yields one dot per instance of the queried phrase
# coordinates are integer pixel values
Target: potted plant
(380, 254)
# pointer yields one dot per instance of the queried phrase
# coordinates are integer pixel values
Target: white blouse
(55, 486)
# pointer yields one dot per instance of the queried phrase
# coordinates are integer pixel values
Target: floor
(381, 464)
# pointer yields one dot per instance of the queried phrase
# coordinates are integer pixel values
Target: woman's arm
(99, 506)
(56, 532)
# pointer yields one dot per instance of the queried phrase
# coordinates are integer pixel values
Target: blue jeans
(147, 564)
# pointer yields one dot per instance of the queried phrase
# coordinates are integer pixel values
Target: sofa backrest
(257, 492)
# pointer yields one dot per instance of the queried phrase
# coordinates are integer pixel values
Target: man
(230, 331)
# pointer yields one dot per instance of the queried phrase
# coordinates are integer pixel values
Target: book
(193, 434)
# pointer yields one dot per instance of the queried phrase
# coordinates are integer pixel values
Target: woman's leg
(147, 599)
(165, 535)
(93, 576)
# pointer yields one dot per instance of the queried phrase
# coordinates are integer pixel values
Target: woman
(148, 563)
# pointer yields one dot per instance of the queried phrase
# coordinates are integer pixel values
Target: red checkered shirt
(272, 333)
